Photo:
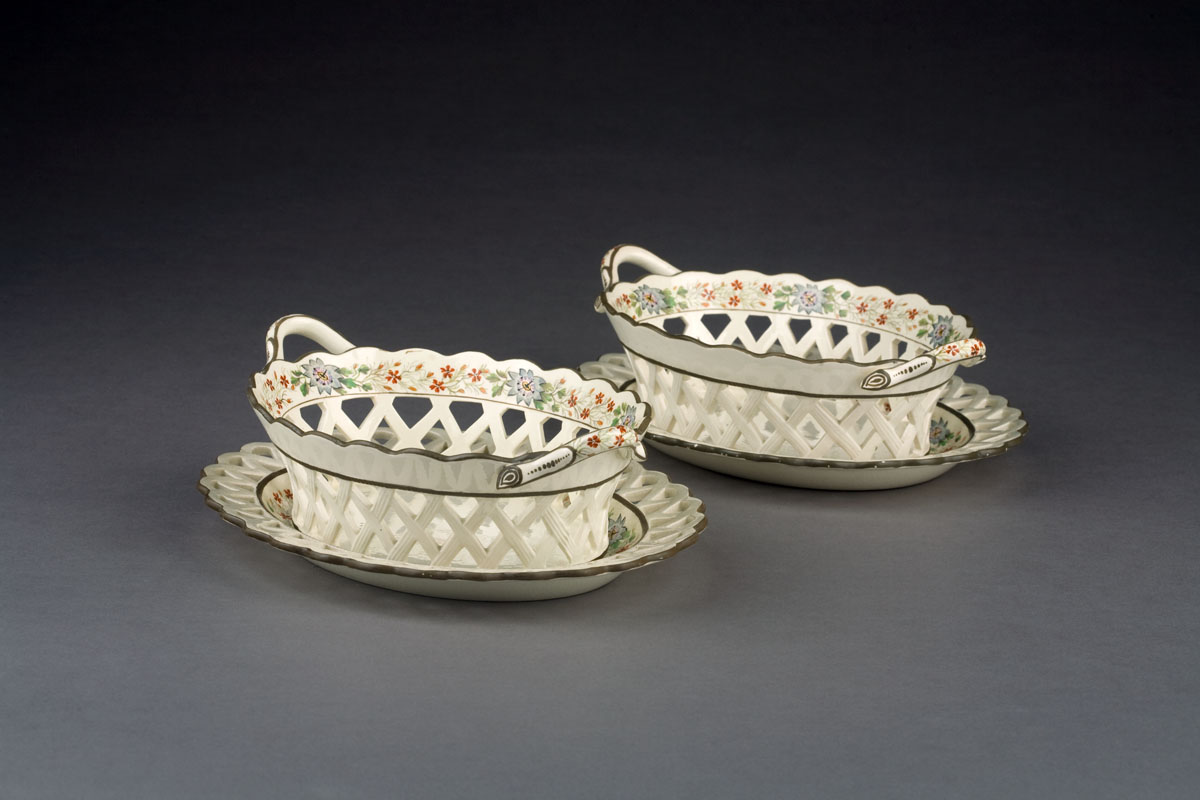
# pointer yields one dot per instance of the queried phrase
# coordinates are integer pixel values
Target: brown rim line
(643, 523)
(793, 392)
(928, 461)
(412, 572)
(423, 490)
(611, 311)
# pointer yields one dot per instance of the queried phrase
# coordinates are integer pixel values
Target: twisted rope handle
(586, 445)
(309, 327)
(631, 254)
(964, 352)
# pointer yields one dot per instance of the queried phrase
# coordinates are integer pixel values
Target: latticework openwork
(447, 530)
(248, 491)
(759, 421)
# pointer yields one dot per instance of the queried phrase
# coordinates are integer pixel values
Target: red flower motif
(587, 412)
(951, 349)
(975, 347)
(765, 288)
(620, 440)
(707, 293)
(736, 286)
(288, 492)
(888, 303)
(912, 313)
(279, 405)
(593, 441)
(392, 377)
(735, 300)
(861, 308)
(447, 371)
(437, 386)
(881, 319)
(611, 405)
(284, 382)
(270, 384)
(599, 398)
(278, 499)
(475, 375)
(572, 400)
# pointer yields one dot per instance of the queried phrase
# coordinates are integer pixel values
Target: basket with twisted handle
(784, 365)
(445, 460)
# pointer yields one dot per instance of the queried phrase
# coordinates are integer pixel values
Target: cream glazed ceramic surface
(649, 519)
(968, 424)
(783, 365)
(445, 460)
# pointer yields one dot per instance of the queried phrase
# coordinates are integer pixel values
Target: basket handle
(308, 327)
(964, 353)
(631, 254)
(592, 443)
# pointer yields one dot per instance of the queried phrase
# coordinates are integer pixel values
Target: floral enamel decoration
(942, 436)
(323, 377)
(279, 503)
(526, 387)
(832, 300)
(521, 386)
(620, 536)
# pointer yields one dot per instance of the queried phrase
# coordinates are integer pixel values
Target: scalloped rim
(924, 461)
(557, 372)
(248, 527)
(752, 275)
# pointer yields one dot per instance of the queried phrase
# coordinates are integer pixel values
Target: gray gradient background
(1025, 626)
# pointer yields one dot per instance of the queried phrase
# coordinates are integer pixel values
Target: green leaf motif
(779, 305)
(846, 295)
(304, 390)
(364, 369)
(496, 389)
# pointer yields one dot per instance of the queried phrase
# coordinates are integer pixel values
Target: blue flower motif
(322, 376)
(939, 430)
(619, 535)
(940, 332)
(650, 299)
(616, 526)
(627, 419)
(525, 386)
(807, 298)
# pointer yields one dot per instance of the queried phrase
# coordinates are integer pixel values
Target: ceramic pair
(783, 366)
(445, 461)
